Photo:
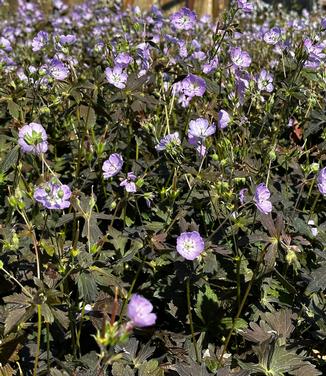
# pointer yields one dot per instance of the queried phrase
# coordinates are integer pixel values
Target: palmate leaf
(119, 369)
(257, 333)
(207, 305)
(19, 309)
(276, 360)
(17, 316)
(87, 287)
(318, 279)
(150, 368)
(281, 322)
(10, 346)
(144, 353)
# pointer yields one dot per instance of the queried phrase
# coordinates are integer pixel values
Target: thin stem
(244, 299)
(190, 319)
(39, 328)
(130, 290)
(78, 334)
(48, 347)
(18, 283)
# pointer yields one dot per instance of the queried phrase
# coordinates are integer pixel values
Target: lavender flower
(223, 119)
(315, 52)
(242, 194)
(67, 39)
(53, 195)
(240, 59)
(245, 6)
(116, 76)
(123, 59)
(5, 44)
(33, 139)
(264, 81)
(273, 36)
(210, 66)
(321, 181)
(262, 195)
(40, 41)
(201, 128)
(193, 86)
(190, 245)
(323, 23)
(58, 70)
(169, 142)
(184, 19)
(128, 183)
(112, 166)
(140, 311)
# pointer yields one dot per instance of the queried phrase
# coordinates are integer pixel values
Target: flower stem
(39, 328)
(190, 319)
(244, 299)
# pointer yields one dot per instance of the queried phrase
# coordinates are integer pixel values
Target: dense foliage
(162, 191)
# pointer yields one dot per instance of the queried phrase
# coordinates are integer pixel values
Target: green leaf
(47, 314)
(150, 368)
(13, 109)
(281, 322)
(239, 323)
(87, 287)
(48, 248)
(10, 159)
(207, 305)
(88, 115)
(118, 240)
(119, 369)
(61, 317)
(318, 279)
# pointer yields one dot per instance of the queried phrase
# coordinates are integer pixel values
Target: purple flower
(240, 58)
(190, 245)
(140, 312)
(184, 19)
(53, 195)
(116, 76)
(201, 128)
(128, 183)
(112, 166)
(242, 194)
(262, 195)
(321, 181)
(40, 41)
(58, 70)
(323, 23)
(315, 52)
(193, 86)
(33, 139)
(223, 119)
(264, 81)
(123, 59)
(169, 142)
(5, 44)
(245, 6)
(273, 36)
(210, 66)
(67, 39)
